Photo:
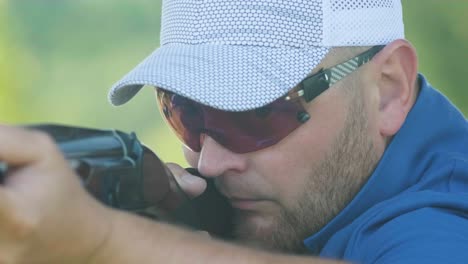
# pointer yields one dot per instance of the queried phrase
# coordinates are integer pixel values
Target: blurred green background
(58, 59)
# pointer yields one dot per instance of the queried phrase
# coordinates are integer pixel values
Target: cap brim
(227, 77)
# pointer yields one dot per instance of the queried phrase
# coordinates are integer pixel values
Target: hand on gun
(43, 205)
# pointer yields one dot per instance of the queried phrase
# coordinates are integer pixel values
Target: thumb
(192, 185)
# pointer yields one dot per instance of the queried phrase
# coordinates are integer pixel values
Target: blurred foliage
(63, 56)
(6, 72)
(59, 58)
(439, 31)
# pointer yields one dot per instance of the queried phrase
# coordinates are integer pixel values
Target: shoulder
(426, 227)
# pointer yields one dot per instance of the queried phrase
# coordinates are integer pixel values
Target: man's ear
(396, 75)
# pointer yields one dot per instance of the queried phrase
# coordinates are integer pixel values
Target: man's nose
(215, 160)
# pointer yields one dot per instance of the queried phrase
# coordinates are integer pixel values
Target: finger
(5, 204)
(12, 225)
(19, 146)
(192, 185)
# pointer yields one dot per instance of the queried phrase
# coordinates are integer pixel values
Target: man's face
(287, 192)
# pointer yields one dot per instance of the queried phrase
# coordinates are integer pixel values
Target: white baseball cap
(238, 55)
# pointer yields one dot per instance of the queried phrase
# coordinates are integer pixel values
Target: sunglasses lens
(184, 116)
(259, 128)
(240, 132)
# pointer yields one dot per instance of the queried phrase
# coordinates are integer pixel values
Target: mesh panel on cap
(226, 77)
(241, 54)
(362, 22)
(267, 23)
(178, 20)
(264, 23)
(348, 5)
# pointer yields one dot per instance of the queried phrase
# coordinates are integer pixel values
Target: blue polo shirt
(414, 207)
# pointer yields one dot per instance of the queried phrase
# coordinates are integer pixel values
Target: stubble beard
(330, 188)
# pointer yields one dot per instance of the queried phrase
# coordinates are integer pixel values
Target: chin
(265, 232)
